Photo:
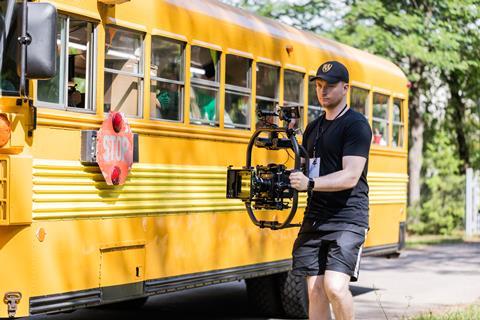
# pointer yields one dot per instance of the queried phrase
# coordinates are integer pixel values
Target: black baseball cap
(332, 72)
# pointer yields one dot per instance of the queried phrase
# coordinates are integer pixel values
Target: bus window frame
(141, 76)
(387, 120)
(311, 75)
(302, 102)
(276, 101)
(206, 85)
(91, 72)
(182, 82)
(8, 46)
(367, 105)
(244, 91)
(400, 123)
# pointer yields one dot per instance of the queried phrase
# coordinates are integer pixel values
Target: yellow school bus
(189, 77)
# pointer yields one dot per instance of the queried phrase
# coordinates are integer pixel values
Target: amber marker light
(5, 129)
(41, 234)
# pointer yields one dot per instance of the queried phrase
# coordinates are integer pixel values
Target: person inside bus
(166, 96)
(329, 244)
(378, 137)
(203, 103)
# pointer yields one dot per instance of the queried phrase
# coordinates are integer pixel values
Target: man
(328, 247)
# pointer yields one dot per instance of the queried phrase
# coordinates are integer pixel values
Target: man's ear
(345, 87)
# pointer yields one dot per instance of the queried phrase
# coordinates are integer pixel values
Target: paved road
(430, 278)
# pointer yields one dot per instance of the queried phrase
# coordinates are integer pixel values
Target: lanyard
(317, 136)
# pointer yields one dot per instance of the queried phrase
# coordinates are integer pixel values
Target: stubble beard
(331, 105)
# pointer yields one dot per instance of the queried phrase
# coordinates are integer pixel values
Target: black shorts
(315, 251)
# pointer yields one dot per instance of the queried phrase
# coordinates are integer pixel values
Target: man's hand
(299, 181)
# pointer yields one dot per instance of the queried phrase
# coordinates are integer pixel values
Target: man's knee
(336, 285)
(315, 287)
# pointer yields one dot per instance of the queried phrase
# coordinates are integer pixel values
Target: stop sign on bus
(115, 149)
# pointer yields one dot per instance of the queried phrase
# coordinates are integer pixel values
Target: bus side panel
(17, 266)
(69, 259)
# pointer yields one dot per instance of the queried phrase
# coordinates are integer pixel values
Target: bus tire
(294, 295)
(264, 296)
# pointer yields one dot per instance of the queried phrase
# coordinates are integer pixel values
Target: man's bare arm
(344, 179)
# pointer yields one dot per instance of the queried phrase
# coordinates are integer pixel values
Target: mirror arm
(24, 41)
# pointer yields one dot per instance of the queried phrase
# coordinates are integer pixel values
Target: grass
(469, 313)
(415, 241)
(458, 236)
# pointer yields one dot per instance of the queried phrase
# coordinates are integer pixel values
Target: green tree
(423, 38)
(313, 15)
(436, 43)
(442, 208)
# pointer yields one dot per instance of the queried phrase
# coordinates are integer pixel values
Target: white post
(469, 219)
(476, 202)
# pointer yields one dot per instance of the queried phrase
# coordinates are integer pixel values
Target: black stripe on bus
(86, 298)
(65, 301)
(213, 277)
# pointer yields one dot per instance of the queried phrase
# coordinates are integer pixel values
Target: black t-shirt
(349, 135)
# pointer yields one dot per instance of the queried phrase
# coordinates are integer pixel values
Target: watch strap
(311, 184)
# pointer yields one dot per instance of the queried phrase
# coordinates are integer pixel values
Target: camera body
(265, 186)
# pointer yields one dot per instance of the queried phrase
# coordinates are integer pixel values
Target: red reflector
(117, 122)
(5, 130)
(116, 175)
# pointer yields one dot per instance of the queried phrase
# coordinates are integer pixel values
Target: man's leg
(318, 308)
(338, 293)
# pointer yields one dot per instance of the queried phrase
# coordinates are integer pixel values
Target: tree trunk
(415, 157)
(458, 121)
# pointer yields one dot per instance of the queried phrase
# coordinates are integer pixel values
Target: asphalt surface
(434, 278)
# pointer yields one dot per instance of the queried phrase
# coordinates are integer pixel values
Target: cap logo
(326, 67)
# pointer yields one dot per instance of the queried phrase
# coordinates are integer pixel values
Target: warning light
(5, 129)
(117, 122)
(115, 176)
(409, 84)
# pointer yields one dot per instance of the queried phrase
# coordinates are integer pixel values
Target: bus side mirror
(41, 38)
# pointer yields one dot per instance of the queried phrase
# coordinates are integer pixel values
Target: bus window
(167, 79)
(268, 78)
(72, 87)
(123, 71)
(238, 91)
(397, 134)
(9, 81)
(293, 93)
(380, 119)
(359, 100)
(205, 85)
(314, 107)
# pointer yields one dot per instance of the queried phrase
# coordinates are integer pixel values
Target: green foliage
(441, 209)
(309, 15)
(432, 41)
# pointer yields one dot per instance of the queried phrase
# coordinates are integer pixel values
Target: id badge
(314, 168)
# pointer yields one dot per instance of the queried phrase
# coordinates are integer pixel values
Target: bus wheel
(294, 295)
(263, 295)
